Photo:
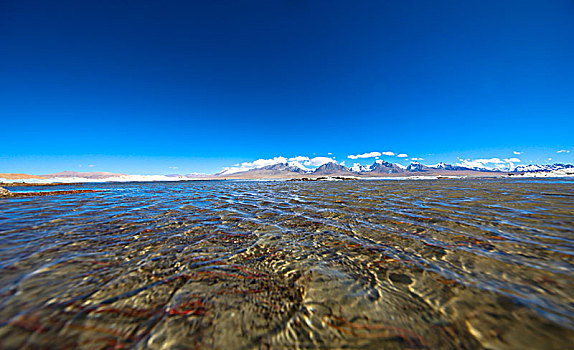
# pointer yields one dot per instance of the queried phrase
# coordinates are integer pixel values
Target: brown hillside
(18, 176)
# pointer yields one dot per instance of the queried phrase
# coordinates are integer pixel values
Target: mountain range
(287, 171)
(386, 169)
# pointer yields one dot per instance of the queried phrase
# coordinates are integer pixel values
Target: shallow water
(437, 264)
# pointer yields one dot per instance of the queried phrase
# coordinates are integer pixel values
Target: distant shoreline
(75, 179)
(333, 171)
(295, 179)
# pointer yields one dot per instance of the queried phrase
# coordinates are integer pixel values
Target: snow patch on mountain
(360, 168)
(545, 168)
(563, 172)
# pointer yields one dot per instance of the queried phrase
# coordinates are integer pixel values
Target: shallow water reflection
(441, 264)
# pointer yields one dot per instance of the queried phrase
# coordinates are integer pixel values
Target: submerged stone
(4, 192)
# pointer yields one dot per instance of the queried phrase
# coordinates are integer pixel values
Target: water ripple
(373, 264)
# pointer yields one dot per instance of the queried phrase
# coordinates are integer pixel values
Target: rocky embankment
(5, 193)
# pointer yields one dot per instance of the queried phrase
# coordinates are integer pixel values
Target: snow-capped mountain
(418, 167)
(382, 167)
(290, 170)
(538, 167)
(266, 171)
(332, 168)
(284, 167)
(358, 168)
(445, 166)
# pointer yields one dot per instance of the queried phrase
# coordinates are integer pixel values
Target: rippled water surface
(436, 264)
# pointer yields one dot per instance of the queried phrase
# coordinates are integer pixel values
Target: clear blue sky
(142, 86)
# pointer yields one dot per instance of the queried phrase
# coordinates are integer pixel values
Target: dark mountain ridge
(333, 168)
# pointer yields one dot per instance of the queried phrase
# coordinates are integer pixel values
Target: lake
(394, 264)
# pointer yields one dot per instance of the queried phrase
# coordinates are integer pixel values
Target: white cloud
(563, 151)
(298, 159)
(377, 154)
(365, 155)
(517, 152)
(91, 165)
(342, 163)
(259, 163)
(489, 163)
(511, 162)
(329, 153)
(173, 167)
(417, 159)
(318, 161)
(491, 160)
